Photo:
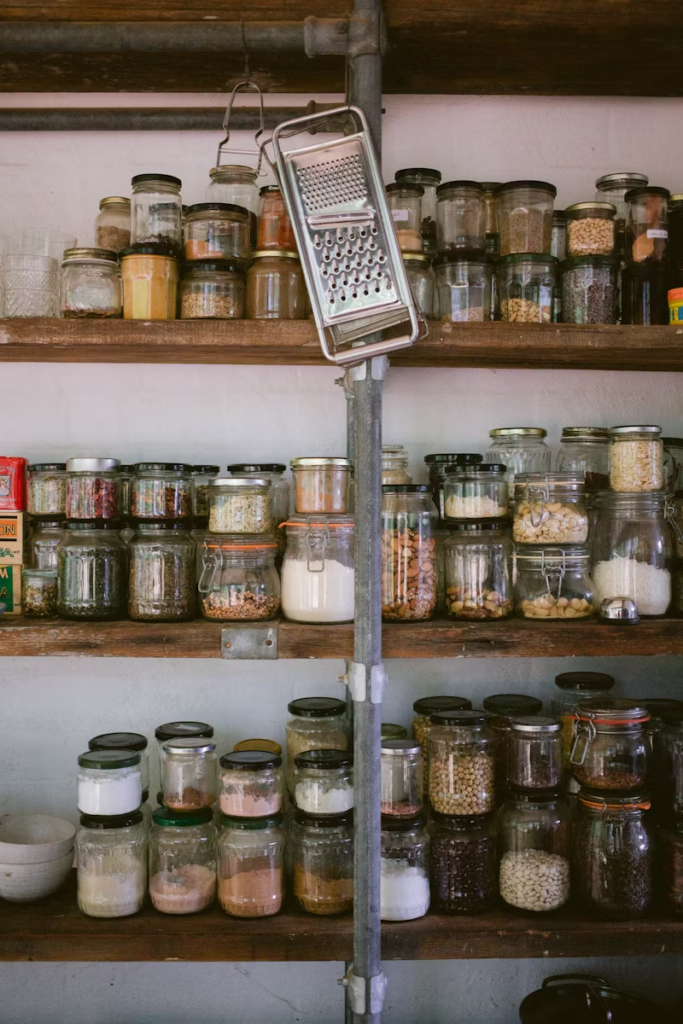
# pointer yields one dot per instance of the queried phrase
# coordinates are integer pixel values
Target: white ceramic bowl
(34, 838)
(21, 883)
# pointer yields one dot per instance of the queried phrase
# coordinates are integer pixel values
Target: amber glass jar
(274, 226)
(275, 287)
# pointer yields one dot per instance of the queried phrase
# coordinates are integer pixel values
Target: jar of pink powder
(250, 784)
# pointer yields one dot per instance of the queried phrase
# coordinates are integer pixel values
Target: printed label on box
(11, 538)
(10, 589)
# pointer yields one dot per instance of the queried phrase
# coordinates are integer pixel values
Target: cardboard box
(11, 538)
(10, 589)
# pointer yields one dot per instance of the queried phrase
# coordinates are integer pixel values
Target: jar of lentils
(612, 747)
(408, 553)
(92, 566)
(590, 229)
(534, 837)
(550, 508)
(636, 458)
(46, 490)
(464, 863)
(423, 710)
(162, 584)
(503, 709)
(535, 760)
(250, 784)
(478, 564)
(91, 285)
(93, 489)
(189, 773)
(240, 504)
(421, 279)
(461, 763)
(401, 778)
(162, 490)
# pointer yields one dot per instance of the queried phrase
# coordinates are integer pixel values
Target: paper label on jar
(400, 215)
(657, 233)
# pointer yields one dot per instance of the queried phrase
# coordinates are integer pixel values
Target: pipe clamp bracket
(357, 682)
(363, 991)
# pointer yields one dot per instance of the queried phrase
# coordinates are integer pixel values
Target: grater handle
(377, 348)
(298, 124)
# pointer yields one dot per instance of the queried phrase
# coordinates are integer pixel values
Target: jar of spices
(150, 274)
(584, 450)
(323, 782)
(162, 490)
(558, 240)
(90, 285)
(503, 709)
(279, 492)
(189, 774)
(126, 741)
(612, 748)
(212, 289)
(162, 585)
(461, 763)
(668, 769)
(525, 216)
(550, 508)
(644, 291)
(217, 231)
(423, 710)
(240, 504)
(670, 870)
(535, 748)
(464, 863)
(636, 458)
(275, 232)
(93, 489)
(401, 779)
(250, 784)
(112, 224)
(421, 277)
(533, 830)
(31, 285)
(554, 583)
(92, 566)
(276, 289)
(428, 179)
(613, 853)
(405, 205)
(322, 858)
(491, 221)
(46, 490)
(109, 782)
(464, 289)
(182, 861)
(251, 879)
(318, 572)
(235, 184)
(408, 552)
(321, 484)
(39, 593)
(589, 290)
(647, 227)
(45, 537)
(404, 869)
(521, 449)
(437, 465)
(156, 211)
(590, 229)
(239, 579)
(460, 218)
(612, 188)
(526, 287)
(478, 562)
(395, 465)
(476, 492)
(201, 478)
(112, 865)
(318, 723)
(574, 687)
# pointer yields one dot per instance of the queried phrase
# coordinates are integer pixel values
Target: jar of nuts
(590, 229)
(550, 509)
(612, 746)
(423, 710)
(478, 560)
(476, 492)
(636, 458)
(554, 583)
(461, 763)
(408, 552)
(526, 288)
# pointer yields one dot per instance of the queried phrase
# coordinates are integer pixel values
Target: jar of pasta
(636, 458)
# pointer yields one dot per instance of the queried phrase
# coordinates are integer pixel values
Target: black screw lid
(250, 760)
(512, 704)
(183, 730)
(118, 741)
(464, 717)
(329, 821)
(316, 707)
(320, 760)
(584, 681)
(432, 705)
(394, 824)
(115, 821)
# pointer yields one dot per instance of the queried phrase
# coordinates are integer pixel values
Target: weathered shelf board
(288, 342)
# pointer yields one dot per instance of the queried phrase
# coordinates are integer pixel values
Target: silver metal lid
(323, 460)
(584, 433)
(536, 723)
(620, 610)
(240, 481)
(226, 170)
(89, 465)
(400, 748)
(189, 745)
(642, 429)
(524, 431)
(576, 556)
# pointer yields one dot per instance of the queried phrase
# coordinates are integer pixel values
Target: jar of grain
(583, 450)
(429, 180)
(460, 219)
(156, 212)
(218, 231)
(112, 865)
(401, 782)
(251, 879)
(525, 216)
(162, 583)
(574, 687)
(636, 458)
(464, 289)
(534, 837)
(612, 188)
(318, 572)
(238, 579)
(395, 465)
(590, 229)
(421, 277)
(322, 858)
(240, 504)
(235, 184)
(464, 863)
(150, 282)
(535, 759)
(423, 710)
(612, 748)
(275, 232)
(526, 288)
(461, 763)
(404, 869)
(408, 552)
(405, 205)
(554, 583)
(317, 723)
(46, 490)
(321, 485)
(550, 508)
(182, 861)
(503, 709)
(90, 285)
(589, 290)
(112, 224)
(437, 465)
(250, 783)
(189, 774)
(212, 290)
(647, 227)
(276, 289)
(476, 492)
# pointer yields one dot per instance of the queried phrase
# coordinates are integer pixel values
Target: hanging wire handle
(320, 549)
(243, 87)
(211, 563)
(554, 571)
(584, 734)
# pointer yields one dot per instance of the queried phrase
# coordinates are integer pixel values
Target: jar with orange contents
(274, 226)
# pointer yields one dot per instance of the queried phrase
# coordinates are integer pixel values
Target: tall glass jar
(404, 869)
(589, 290)
(554, 583)
(405, 205)
(240, 504)
(437, 465)
(590, 229)
(279, 492)
(429, 180)
(112, 224)
(232, 183)
(573, 687)
(395, 465)
(503, 709)
(526, 287)
(322, 859)
(112, 865)
(525, 216)
(250, 783)
(460, 218)
(464, 289)
(647, 227)
(423, 709)
(478, 563)
(201, 478)
(93, 489)
(46, 491)
(550, 508)
(218, 231)
(612, 188)
(182, 861)
(668, 769)
(92, 566)
(613, 853)
(612, 747)
(421, 277)
(150, 274)
(41, 548)
(535, 753)
(318, 723)
(212, 290)
(673, 464)
(189, 774)
(251, 879)
(636, 458)
(239, 580)
(275, 286)
(323, 782)
(161, 490)
(521, 449)
(476, 492)
(464, 863)
(318, 572)
(90, 285)
(275, 230)
(584, 450)
(321, 484)
(558, 241)
(408, 552)
(156, 211)
(401, 782)
(461, 763)
(162, 585)
(492, 235)
(534, 833)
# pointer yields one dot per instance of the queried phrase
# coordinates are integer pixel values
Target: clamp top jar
(525, 216)
(636, 455)
(590, 229)
(240, 504)
(217, 231)
(550, 508)
(157, 211)
(318, 572)
(46, 490)
(429, 180)
(584, 450)
(611, 748)
(238, 578)
(476, 492)
(460, 219)
(647, 228)
(93, 489)
(554, 583)
(321, 484)
(161, 490)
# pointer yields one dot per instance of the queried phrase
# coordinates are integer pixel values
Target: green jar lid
(165, 816)
(251, 824)
(103, 760)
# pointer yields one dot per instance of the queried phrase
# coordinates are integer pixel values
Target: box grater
(347, 243)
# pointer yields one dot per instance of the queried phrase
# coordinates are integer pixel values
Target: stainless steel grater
(347, 243)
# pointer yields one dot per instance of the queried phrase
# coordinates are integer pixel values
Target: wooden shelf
(288, 342)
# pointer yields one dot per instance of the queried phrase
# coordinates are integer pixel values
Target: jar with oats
(423, 710)
(408, 552)
(527, 283)
(322, 858)
(550, 508)
(251, 865)
(189, 774)
(461, 763)
(590, 229)
(317, 723)
(554, 583)
(240, 504)
(239, 580)
(636, 457)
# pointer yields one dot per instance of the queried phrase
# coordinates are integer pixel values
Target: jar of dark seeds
(589, 290)
(464, 864)
(39, 593)
(612, 747)
(161, 490)
(502, 709)
(92, 571)
(46, 490)
(162, 580)
(535, 752)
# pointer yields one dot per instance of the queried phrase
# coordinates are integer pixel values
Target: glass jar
(461, 763)
(43, 541)
(408, 553)
(93, 489)
(464, 290)
(182, 861)
(612, 188)
(478, 560)
(521, 449)
(178, 730)
(612, 748)
(250, 784)
(212, 290)
(126, 474)
(323, 782)
(46, 490)
(633, 550)
(423, 710)
(647, 227)
(240, 504)
(673, 464)
(150, 276)
(636, 458)
(429, 180)
(161, 490)
(201, 478)
(668, 769)
(574, 687)
(404, 869)
(589, 290)
(321, 485)
(644, 294)
(395, 465)
(216, 231)
(670, 870)
(92, 566)
(275, 232)
(39, 593)
(533, 831)
(421, 278)
(235, 184)
(558, 239)
(90, 285)
(126, 741)
(276, 289)
(491, 222)
(464, 863)
(189, 774)
(162, 583)
(31, 285)
(251, 879)
(112, 224)
(460, 218)
(239, 579)
(535, 752)
(112, 865)
(318, 723)
(318, 573)
(322, 858)
(550, 509)
(405, 205)
(279, 492)
(156, 211)
(554, 583)
(525, 216)
(437, 465)
(109, 782)
(503, 709)
(526, 288)
(590, 229)
(613, 852)
(476, 492)
(584, 450)
(401, 780)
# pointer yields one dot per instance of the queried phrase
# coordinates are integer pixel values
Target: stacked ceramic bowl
(36, 855)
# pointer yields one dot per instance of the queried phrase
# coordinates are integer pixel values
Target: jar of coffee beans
(464, 863)
(535, 760)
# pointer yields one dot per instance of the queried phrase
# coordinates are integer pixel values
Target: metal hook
(245, 85)
(245, 51)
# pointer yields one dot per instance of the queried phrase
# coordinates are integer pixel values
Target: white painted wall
(51, 707)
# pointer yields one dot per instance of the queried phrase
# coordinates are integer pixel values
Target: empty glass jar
(554, 583)
(526, 288)
(476, 492)
(162, 583)
(239, 580)
(535, 752)
(421, 278)
(235, 184)
(550, 508)
(31, 285)
(478, 562)
(521, 449)
(408, 552)
(322, 859)
(217, 231)
(275, 287)
(525, 216)
(182, 861)
(428, 179)
(405, 206)
(647, 227)
(583, 450)
(460, 218)
(189, 774)
(212, 290)
(112, 224)
(251, 866)
(42, 543)
(401, 778)
(464, 863)
(404, 869)
(156, 211)
(92, 565)
(461, 763)
(91, 285)
(464, 289)
(590, 229)
(161, 490)
(612, 748)
(323, 782)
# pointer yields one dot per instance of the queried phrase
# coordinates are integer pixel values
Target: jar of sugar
(318, 573)
(109, 782)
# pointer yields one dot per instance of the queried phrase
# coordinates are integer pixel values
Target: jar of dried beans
(93, 489)
(216, 231)
(503, 708)
(212, 289)
(573, 687)
(323, 782)
(405, 205)
(92, 566)
(534, 836)
(550, 508)
(464, 863)
(46, 490)
(526, 288)
(42, 544)
(91, 285)
(647, 226)
(460, 218)
(275, 230)
(437, 464)
(182, 861)
(535, 752)
(636, 455)
(317, 723)
(112, 865)
(583, 450)
(250, 783)
(408, 552)
(476, 492)
(235, 184)
(612, 748)
(590, 229)
(429, 180)
(156, 211)
(318, 572)
(404, 869)
(461, 763)
(276, 289)
(39, 593)
(162, 585)
(239, 579)
(464, 289)
(525, 216)
(112, 224)
(401, 778)
(251, 879)
(554, 583)
(478, 564)
(189, 774)
(240, 504)
(321, 485)
(322, 859)
(423, 710)
(162, 490)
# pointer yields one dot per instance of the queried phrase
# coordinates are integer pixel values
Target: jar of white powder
(112, 865)
(126, 741)
(318, 575)
(109, 782)
(404, 878)
(323, 782)
(317, 723)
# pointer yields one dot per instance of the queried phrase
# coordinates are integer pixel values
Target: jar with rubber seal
(550, 508)
(318, 572)
(239, 580)
(612, 748)
(572, 688)
(554, 583)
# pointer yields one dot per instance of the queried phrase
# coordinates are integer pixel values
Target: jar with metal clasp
(554, 583)
(318, 572)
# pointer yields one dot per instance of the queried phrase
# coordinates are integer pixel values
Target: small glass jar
(90, 285)
(521, 449)
(31, 285)
(112, 224)
(421, 277)
(112, 865)
(464, 863)
(533, 831)
(647, 227)
(670, 870)
(250, 784)
(46, 490)
(478, 563)
(189, 774)
(93, 489)
(235, 184)
(182, 861)
(109, 782)
(218, 231)
(491, 222)
(395, 465)
(461, 763)
(179, 730)
(240, 504)
(584, 450)
(323, 782)
(476, 492)
(276, 289)
(525, 216)
(668, 769)
(279, 492)
(550, 508)
(460, 218)
(162, 584)
(201, 478)
(322, 859)
(212, 289)
(558, 240)
(401, 778)
(251, 880)
(503, 709)
(464, 289)
(126, 741)
(405, 205)
(673, 464)
(429, 180)
(612, 748)
(574, 687)
(161, 490)
(437, 464)
(590, 229)
(644, 294)
(275, 232)
(636, 458)
(92, 567)
(535, 752)
(423, 710)
(613, 854)
(43, 541)
(589, 290)
(156, 211)
(150, 274)
(318, 723)
(404, 869)
(318, 572)
(408, 553)
(239, 580)
(526, 288)
(554, 583)
(612, 188)
(39, 593)
(321, 485)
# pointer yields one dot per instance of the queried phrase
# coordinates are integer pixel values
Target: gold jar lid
(523, 431)
(322, 460)
(269, 746)
(114, 201)
(282, 253)
(76, 255)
